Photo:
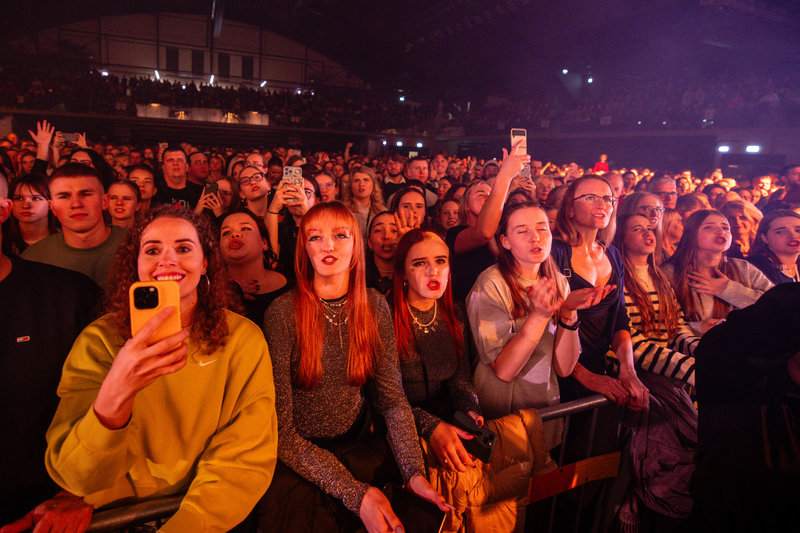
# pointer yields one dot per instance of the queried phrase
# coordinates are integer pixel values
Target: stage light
(752, 149)
(399, 143)
(158, 76)
(383, 142)
(402, 98)
(564, 71)
(419, 145)
(723, 148)
(590, 80)
(211, 80)
(104, 73)
(263, 83)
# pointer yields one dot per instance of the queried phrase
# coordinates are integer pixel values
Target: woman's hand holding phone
(137, 365)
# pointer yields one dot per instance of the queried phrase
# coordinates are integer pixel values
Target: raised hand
(44, 133)
(513, 161)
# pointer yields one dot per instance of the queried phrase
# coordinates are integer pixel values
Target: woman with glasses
(254, 191)
(651, 207)
(585, 228)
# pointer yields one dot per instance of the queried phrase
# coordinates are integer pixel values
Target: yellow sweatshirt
(209, 429)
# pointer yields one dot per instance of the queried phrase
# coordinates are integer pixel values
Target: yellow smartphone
(147, 299)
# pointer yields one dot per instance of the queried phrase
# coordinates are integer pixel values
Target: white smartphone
(519, 134)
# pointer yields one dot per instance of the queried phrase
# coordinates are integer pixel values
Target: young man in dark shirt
(46, 308)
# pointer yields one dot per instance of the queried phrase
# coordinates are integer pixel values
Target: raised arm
(489, 218)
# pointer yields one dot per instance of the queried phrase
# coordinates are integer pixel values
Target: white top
(489, 308)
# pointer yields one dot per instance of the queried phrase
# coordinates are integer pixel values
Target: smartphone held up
(147, 299)
(521, 135)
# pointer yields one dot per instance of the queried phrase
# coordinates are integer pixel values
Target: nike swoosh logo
(204, 363)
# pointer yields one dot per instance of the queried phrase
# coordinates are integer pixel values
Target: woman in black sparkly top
(430, 342)
(334, 358)
(437, 381)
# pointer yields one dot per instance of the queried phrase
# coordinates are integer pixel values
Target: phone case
(482, 444)
(168, 296)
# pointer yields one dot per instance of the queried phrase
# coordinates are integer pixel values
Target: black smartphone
(211, 188)
(481, 445)
(415, 514)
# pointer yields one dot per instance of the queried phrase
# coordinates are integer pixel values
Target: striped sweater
(658, 353)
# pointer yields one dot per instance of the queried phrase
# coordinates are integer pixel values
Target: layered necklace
(429, 327)
(333, 311)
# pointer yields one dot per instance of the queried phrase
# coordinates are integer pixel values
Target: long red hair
(402, 317)
(364, 342)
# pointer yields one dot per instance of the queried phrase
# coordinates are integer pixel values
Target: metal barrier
(567, 477)
(577, 474)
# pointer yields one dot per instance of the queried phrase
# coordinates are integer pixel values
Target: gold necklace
(426, 328)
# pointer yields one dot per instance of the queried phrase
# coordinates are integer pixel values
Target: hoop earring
(207, 290)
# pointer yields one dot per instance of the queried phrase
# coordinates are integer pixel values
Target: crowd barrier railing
(549, 485)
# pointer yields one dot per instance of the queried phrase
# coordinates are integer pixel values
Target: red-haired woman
(436, 379)
(335, 357)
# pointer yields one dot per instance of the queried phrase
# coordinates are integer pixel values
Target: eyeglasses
(610, 201)
(255, 178)
(652, 211)
(668, 194)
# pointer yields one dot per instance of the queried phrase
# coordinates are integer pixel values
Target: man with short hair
(616, 183)
(665, 188)
(175, 188)
(45, 310)
(85, 244)
(198, 168)
(790, 175)
(135, 156)
(393, 179)
(418, 168)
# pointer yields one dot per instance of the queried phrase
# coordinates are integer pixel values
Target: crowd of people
(339, 311)
(728, 101)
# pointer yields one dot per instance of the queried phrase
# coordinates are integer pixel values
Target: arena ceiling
(489, 46)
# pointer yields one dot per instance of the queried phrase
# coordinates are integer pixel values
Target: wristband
(273, 212)
(572, 327)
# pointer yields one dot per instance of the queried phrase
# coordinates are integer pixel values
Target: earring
(204, 292)
(405, 284)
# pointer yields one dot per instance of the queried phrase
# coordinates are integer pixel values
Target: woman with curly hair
(363, 196)
(192, 413)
